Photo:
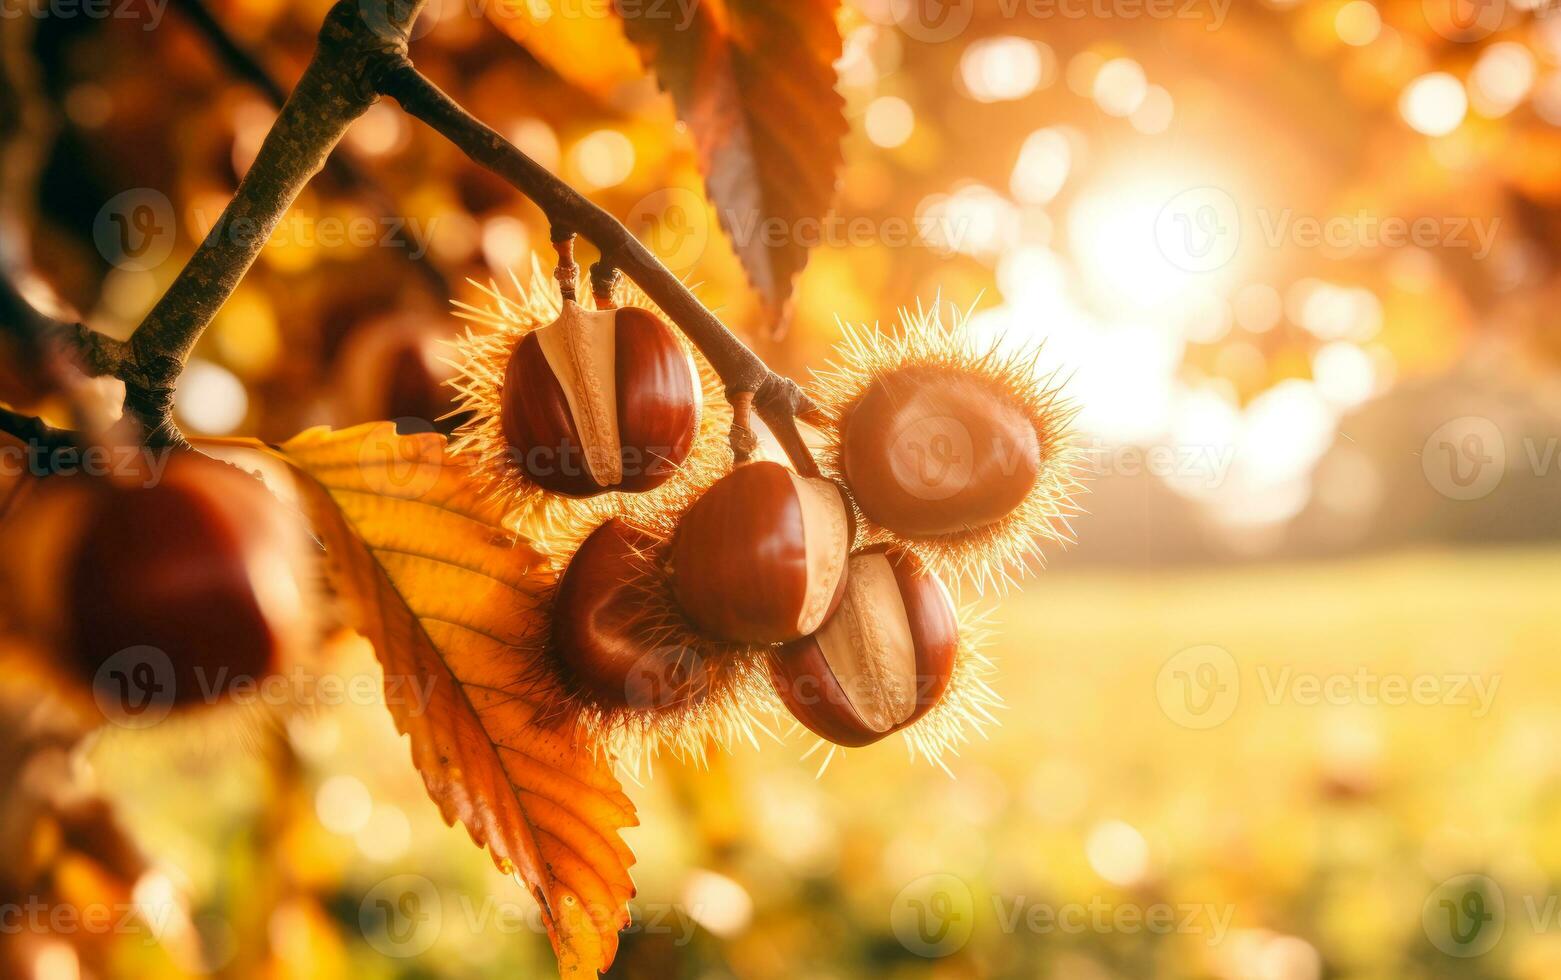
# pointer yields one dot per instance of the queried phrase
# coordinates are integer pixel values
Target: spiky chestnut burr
(953, 449)
(600, 400)
(485, 358)
(881, 661)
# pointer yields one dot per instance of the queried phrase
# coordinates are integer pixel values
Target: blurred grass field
(1282, 801)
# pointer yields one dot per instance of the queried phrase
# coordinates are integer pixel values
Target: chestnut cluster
(939, 461)
(860, 646)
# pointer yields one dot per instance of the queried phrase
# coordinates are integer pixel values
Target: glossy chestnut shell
(600, 401)
(605, 628)
(928, 452)
(881, 661)
(761, 557)
(198, 567)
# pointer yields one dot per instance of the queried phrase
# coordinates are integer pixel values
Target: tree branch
(334, 90)
(778, 400)
(340, 166)
(362, 53)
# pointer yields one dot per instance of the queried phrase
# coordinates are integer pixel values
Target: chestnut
(928, 452)
(600, 400)
(761, 556)
(393, 368)
(881, 662)
(165, 589)
(604, 633)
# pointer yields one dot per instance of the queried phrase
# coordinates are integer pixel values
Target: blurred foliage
(1019, 164)
(1293, 840)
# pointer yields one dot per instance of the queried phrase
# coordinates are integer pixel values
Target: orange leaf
(583, 44)
(445, 593)
(755, 82)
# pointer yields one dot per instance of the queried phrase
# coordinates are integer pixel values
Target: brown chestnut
(604, 630)
(166, 588)
(600, 400)
(928, 452)
(393, 368)
(881, 662)
(761, 557)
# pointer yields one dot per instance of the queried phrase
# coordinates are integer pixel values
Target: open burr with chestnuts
(817, 590)
(600, 400)
(881, 662)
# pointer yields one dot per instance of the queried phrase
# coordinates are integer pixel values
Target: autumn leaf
(754, 80)
(445, 593)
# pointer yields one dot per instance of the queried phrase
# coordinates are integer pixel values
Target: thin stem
(36, 432)
(362, 53)
(566, 272)
(42, 336)
(777, 399)
(604, 278)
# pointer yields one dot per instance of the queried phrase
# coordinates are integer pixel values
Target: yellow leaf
(446, 594)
